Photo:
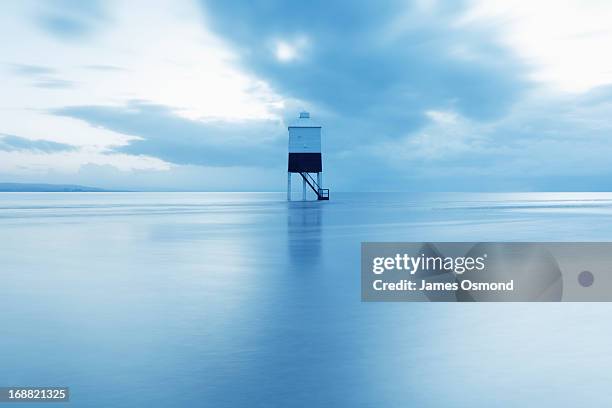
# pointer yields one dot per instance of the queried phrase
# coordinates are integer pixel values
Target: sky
(423, 95)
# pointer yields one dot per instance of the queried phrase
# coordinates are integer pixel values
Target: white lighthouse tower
(305, 156)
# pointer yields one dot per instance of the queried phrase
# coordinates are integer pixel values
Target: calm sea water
(245, 300)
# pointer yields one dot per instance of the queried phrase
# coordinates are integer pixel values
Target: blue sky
(413, 96)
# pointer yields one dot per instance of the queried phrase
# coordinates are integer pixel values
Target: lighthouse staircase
(322, 193)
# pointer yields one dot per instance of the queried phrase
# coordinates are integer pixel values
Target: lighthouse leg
(288, 186)
(303, 189)
(320, 180)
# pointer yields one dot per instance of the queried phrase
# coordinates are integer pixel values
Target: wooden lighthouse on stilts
(305, 156)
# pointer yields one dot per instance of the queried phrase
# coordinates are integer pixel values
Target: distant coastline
(48, 188)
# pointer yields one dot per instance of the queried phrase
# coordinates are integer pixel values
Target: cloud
(389, 63)
(104, 67)
(372, 74)
(15, 143)
(52, 83)
(43, 76)
(548, 142)
(29, 70)
(71, 19)
(164, 134)
(561, 40)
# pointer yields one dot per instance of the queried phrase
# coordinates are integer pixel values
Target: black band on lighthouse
(305, 162)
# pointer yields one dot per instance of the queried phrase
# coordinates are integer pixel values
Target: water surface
(243, 299)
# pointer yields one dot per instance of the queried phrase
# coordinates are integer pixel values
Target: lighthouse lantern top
(304, 121)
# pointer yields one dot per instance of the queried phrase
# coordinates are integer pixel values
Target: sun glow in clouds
(286, 51)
